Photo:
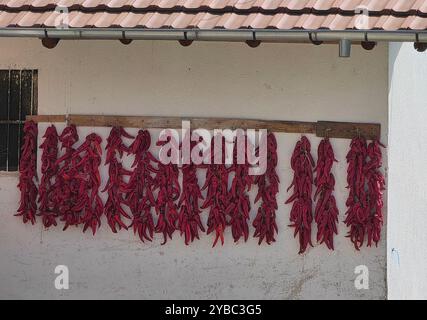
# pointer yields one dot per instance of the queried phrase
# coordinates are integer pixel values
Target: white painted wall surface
(290, 82)
(407, 256)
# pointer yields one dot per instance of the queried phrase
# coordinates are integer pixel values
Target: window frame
(18, 88)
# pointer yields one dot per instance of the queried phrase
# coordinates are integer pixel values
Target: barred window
(18, 98)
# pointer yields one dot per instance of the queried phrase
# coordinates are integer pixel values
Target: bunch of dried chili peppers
(113, 209)
(268, 186)
(85, 168)
(357, 201)
(216, 183)
(67, 189)
(169, 190)
(376, 186)
(239, 204)
(189, 222)
(366, 185)
(138, 192)
(326, 211)
(301, 216)
(28, 174)
(48, 204)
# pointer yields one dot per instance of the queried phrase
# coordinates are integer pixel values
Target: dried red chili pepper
(48, 208)
(217, 198)
(301, 215)
(189, 222)
(376, 186)
(138, 192)
(67, 189)
(85, 161)
(169, 190)
(28, 174)
(326, 212)
(357, 202)
(239, 205)
(113, 209)
(268, 187)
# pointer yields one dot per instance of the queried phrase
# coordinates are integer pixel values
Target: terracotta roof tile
(210, 14)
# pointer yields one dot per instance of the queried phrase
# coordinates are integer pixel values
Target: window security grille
(18, 98)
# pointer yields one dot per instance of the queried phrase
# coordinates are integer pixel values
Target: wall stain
(297, 288)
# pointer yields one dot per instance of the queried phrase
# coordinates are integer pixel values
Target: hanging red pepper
(376, 186)
(268, 187)
(301, 215)
(28, 174)
(67, 189)
(48, 208)
(113, 209)
(85, 161)
(217, 198)
(357, 202)
(239, 205)
(326, 212)
(189, 222)
(139, 190)
(169, 190)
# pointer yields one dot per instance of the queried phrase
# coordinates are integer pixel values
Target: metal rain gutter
(263, 35)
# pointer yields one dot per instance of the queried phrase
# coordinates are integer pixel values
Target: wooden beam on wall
(348, 130)
(345, 130)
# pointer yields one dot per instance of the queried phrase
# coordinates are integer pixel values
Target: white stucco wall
(290, 82)
(407, 257)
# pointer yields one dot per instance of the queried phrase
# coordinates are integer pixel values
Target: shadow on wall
(392, 56)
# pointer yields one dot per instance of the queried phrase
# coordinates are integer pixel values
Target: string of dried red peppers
(357, 201)
(326, 211)
(239, 204)
(48, 206)
(67, 189)
(85, 166)
(217, 198)
(376, 186)
(301, 215)
(268, 186)
(169, 190)
(138, 192)
(189, 223)
(28, 174)
(366, 185)
(113, 209)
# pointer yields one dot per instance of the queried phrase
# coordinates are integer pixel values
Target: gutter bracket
(314, 39)
(185, 42)
(254, 42)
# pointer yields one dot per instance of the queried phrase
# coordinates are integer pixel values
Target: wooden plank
(47, 118)
(348, 130)
(176, 122)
